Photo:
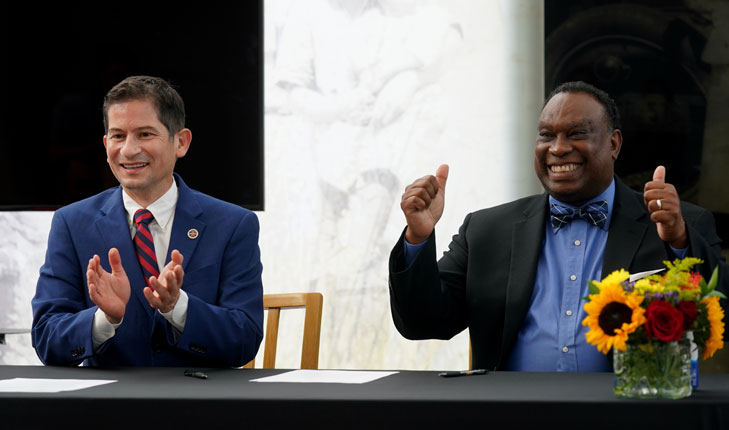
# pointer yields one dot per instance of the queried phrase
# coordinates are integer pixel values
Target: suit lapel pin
(192, 233)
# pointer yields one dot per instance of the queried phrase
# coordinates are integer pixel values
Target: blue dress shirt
(552, 337)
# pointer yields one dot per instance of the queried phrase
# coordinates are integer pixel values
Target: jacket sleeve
(427, 298)
(229, 328)
(706, 245)
(62, 319)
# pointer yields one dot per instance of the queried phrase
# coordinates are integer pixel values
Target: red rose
(689, 311)
(663, 321)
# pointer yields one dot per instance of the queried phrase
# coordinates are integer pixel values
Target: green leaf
(715, 293)
(714, 279)
(708, 288)
(592, 287)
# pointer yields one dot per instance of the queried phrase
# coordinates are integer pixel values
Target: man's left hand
(662, 201)
(163, 292)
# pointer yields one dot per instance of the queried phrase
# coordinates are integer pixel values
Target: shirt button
(573, 277)
(565, 349)
(578, 243)
(569, 313)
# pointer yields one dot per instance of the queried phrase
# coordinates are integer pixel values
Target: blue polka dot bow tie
(595, 213)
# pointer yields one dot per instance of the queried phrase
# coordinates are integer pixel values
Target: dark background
(58, 62)
(647, 55)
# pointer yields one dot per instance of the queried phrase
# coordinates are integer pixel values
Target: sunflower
(612, 315)
(615, 278)
(715, 316)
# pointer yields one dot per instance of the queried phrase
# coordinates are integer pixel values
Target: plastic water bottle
(694, 360)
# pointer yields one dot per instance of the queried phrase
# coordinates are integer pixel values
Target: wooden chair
(312, 302)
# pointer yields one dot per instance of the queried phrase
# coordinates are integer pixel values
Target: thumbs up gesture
(663, 203)
(422, 203)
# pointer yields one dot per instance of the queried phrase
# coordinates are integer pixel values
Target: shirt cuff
(178, 315)
(102, 330)
(411, 251)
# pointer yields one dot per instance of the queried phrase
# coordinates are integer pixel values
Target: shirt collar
(162, 209)
(608, 195)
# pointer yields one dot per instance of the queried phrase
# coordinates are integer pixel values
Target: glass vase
(653, 370)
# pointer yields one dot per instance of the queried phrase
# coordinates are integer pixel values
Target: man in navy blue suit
(195, 300)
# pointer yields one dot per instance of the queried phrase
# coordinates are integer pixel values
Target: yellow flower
(715, 315)
(612, 314)
(615, 278)
(643, 286)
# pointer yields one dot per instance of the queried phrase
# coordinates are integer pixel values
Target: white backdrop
(363, 97)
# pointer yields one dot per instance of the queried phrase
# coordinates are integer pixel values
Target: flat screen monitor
(59, 60)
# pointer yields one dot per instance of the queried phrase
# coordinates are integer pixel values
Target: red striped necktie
(145, 244)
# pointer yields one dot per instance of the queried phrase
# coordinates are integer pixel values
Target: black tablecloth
(164, 398)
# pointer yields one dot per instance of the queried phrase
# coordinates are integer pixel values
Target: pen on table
(199, 375)
(463, 373)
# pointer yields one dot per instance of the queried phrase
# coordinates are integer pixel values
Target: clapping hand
(109, 291)
(163, 291)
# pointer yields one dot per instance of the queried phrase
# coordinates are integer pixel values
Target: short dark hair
(167, 102)
(612, 116)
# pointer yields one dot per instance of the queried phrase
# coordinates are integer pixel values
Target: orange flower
(694, 282)
(716, 316)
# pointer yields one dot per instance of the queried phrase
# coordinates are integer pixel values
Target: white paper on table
(40, 385)
(635, 276)
(326, 376)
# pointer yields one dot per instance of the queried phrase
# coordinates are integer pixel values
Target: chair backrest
(470, 354)
(312, 302)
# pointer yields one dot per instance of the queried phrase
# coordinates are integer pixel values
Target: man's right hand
(422, 203)
(110, 291)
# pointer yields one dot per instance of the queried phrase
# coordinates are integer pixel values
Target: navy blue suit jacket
(222, 279)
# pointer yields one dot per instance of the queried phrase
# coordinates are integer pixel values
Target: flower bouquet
(652, 324)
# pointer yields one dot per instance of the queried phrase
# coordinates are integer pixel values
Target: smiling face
(575, 152)
(139, 150)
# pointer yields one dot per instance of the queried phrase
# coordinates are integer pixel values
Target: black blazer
(485, 279)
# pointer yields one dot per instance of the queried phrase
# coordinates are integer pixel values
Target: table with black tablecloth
(165, 398)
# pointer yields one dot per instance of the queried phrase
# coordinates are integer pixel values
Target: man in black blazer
(492, 278)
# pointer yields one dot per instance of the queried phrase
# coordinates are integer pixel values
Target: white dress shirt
(163, 210)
